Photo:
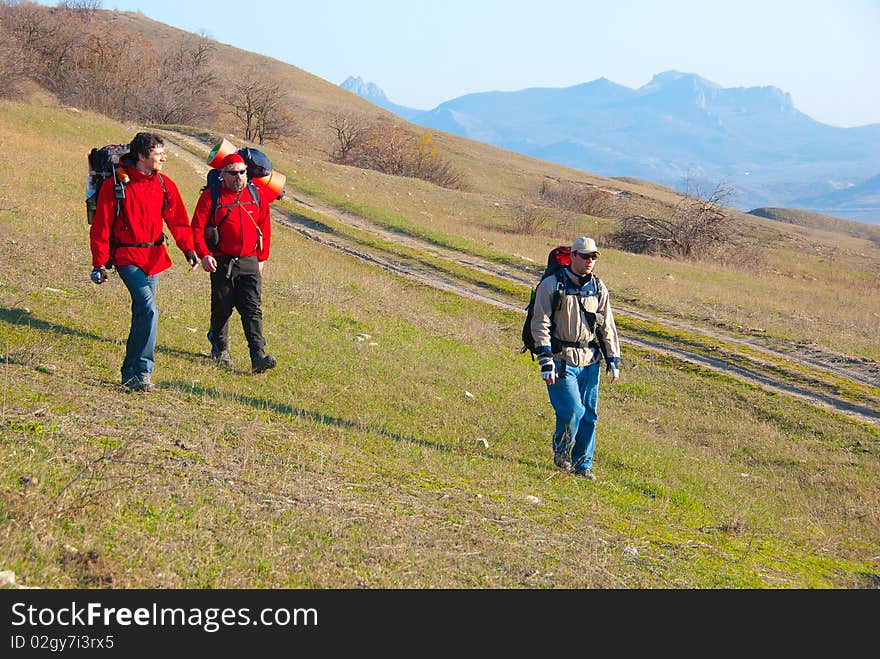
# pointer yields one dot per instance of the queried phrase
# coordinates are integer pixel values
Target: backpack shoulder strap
(255, 193)
(164, 192)
(598, 284)
(213, 186)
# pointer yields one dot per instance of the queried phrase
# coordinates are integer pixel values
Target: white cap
(584, 244)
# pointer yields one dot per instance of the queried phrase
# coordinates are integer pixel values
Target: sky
(824, 53)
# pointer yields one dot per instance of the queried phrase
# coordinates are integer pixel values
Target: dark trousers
(237, 284)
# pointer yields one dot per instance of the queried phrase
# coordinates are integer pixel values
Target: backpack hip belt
(114, 243)
(554, 343)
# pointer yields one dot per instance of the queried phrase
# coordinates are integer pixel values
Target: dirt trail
(860, 371)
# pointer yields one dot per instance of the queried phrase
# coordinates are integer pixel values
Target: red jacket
(140, 221)
(236, 222)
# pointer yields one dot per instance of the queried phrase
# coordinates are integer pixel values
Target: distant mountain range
(678, 125)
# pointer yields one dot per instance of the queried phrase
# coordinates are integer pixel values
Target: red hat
(231, 159)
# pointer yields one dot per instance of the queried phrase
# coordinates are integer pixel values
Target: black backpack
(257, 162)
(104, 163)
(557, 259)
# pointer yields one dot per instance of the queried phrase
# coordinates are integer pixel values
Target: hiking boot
(562, 461)
(139, 384)
(264, 363)
(585, 473)
(223, 358)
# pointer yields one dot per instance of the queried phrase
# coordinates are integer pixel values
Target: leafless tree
(85, 9)
(12, 57)
(349, 129)
(698, 226)
(178, 92)
(256, 104)
(272, 120)
(39, 39)
(109, 75)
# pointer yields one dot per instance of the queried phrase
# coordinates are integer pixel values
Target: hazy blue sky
(825, 53)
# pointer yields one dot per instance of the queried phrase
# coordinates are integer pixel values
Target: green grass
(354, 464)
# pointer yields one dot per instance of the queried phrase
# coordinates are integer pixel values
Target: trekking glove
(548, 369)
(99, 275)
(192, 259)
(614, 370)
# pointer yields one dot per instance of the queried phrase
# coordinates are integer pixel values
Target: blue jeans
(574, 398)
(140, 348)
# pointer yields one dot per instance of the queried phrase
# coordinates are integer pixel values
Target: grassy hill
(820, 221)
(403, 441)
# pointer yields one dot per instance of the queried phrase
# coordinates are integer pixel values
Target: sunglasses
(592, 256)
(235, 172)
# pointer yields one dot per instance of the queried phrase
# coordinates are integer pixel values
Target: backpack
(105, 165)
(258, 164)
(557, 259)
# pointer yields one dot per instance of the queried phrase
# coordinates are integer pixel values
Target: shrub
(392, 149)
(699, 226)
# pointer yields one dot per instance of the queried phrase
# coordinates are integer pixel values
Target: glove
(548, 369)
(614, 370)
(192, 259)
(99, 275)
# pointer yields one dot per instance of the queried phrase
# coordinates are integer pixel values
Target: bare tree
(84, 8)
(349, 130)
(108, 76)
(13, 61)
(178, 92)
(698, 226)
(256, 104)
(272, 121)
(38, 36)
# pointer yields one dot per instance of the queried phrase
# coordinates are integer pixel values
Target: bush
(698, 227)
(392, 149)
(569, 196)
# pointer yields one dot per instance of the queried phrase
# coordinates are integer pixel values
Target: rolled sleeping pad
(222, 149)
(272, 185)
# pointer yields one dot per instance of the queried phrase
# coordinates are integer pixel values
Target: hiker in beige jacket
(571, 341)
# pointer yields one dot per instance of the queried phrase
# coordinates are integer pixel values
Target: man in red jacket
(243, 231)
(128, 234)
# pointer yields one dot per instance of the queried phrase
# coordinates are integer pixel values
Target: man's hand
(209, 263)
(192, 259)
(99, 275)
(548, 369)
(614, 371)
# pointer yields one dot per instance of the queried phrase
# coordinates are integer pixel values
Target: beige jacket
(571, 323)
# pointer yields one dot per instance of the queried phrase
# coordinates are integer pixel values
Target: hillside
(403, 441)
(820, 221)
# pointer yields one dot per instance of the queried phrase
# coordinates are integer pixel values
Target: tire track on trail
(184, 145)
